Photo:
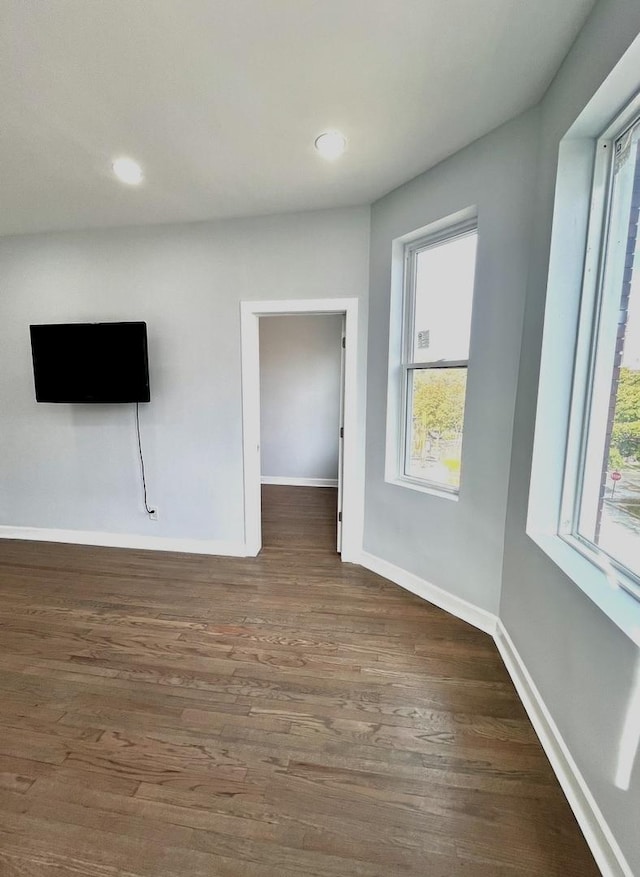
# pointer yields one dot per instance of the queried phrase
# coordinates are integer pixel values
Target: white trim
(423, 486)
(404, 248)
(599, 582)
(341, 443)
(299, 482)
(126, 540)
(352, 511)
(600, 838)
(250, 368)
(572, 286)
(569, 287)
(457, 606)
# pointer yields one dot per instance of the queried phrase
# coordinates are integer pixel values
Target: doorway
(251, 315)
(301, 393)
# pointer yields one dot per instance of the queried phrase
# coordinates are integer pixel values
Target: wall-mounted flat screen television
(90, 362)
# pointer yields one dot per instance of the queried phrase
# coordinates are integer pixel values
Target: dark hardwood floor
(167, 715)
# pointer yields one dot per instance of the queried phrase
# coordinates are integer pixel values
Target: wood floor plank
(169, 714)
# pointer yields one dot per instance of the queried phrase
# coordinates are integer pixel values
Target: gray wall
(458, 545)
(581, 663)
(477, 548)
(300, 395)
(74, 466)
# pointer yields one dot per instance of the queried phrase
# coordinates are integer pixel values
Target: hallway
(299, 518)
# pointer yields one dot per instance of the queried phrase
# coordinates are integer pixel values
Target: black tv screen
(90, 362)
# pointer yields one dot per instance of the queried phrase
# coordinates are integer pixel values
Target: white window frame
(401, 366)
(580, 210)
(592, 315)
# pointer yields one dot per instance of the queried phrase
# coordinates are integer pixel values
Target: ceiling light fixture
(331, 144)
(128, 171)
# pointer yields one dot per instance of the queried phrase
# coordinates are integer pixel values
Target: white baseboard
(457, 606)
(599, 837)
(299, 482)
(126, 540)
(602, 843)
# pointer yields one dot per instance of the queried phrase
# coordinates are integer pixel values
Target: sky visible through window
(444, 292)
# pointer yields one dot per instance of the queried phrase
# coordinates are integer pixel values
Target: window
(582, 518)
(439, 273)
(601, 499)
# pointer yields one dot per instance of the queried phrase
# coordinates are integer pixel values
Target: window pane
(610, 506)
(444, 275)
(434, 426)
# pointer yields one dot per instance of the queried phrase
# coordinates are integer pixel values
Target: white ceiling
(220, 100)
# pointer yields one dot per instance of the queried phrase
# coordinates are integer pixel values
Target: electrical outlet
(153, 514)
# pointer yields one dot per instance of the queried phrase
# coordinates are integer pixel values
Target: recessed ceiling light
(128, 171)
(331, 144)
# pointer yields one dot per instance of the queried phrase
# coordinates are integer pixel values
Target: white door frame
(250, 312)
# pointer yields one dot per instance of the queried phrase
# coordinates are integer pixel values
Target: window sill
(422, 487)
(600, 586)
